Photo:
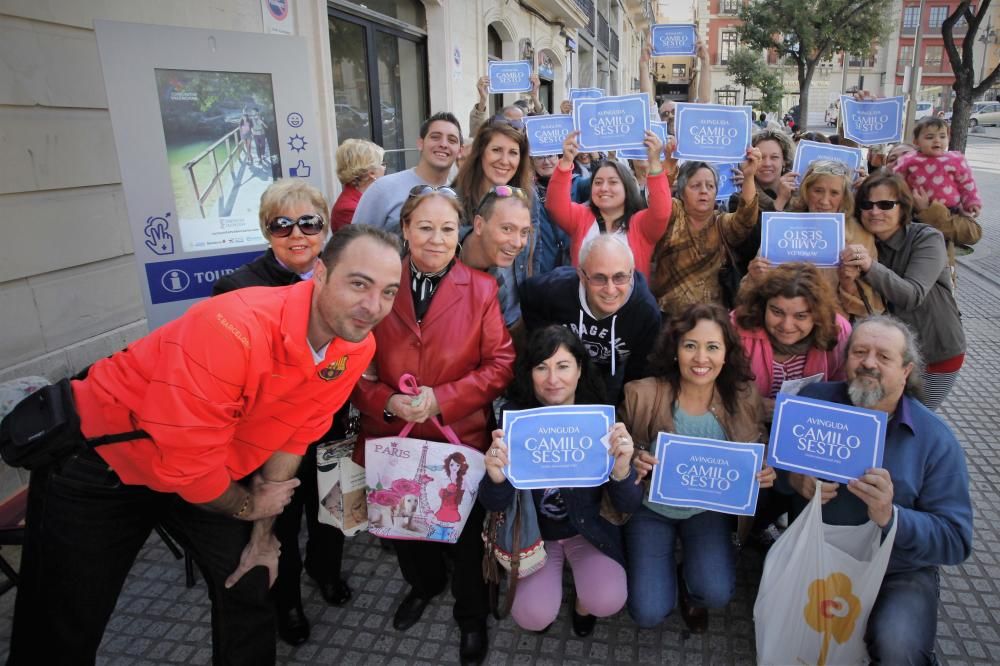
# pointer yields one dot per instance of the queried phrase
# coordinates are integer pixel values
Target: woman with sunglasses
(291, 219)
(359, 164)
(699, 243)
(911, 274)
(615, 204)
(445, 329)
(827, 188)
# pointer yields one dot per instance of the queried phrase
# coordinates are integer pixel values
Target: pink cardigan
(645, 228)
(757, 346)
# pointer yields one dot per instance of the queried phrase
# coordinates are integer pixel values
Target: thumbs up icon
(300, 170)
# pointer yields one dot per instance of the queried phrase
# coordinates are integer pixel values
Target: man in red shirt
(230, 395)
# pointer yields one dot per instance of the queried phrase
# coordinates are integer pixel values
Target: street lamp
(987, 38)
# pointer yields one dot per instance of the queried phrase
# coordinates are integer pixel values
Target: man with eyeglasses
(440, 144)
(606, 302)
(212, 413)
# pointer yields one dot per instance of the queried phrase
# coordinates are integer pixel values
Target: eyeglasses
(502, 192)
(281, 226)
(886, 204)
(421, 190)
(601, 280)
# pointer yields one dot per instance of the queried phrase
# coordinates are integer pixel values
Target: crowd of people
(512, 282)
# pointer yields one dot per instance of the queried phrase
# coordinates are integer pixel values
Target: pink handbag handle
(408, 386)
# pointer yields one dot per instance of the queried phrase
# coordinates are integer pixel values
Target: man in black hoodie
(606, 302)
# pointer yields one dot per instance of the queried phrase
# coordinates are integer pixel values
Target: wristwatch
(386, 414)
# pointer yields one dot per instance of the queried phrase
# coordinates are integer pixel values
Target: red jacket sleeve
(655, 220)
(571, 217)
(460, 398)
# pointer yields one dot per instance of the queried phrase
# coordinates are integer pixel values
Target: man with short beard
(923, 483)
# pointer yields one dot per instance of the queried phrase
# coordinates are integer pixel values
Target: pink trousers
(599, 580)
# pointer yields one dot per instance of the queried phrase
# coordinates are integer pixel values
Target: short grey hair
(605, 240)
(689, 169)
(911, 348)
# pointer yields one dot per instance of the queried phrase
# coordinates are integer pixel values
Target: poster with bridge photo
(222, 151)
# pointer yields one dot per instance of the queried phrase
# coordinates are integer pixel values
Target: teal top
(705, 425)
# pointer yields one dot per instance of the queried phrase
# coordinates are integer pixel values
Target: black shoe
(293, 627)
(583, 625)
(473, 647)
(335, 592)
(409, 611)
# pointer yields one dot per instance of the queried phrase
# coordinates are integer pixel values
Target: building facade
(69, 287)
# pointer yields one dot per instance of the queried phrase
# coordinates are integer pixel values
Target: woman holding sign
(911, 273)
(826, 188)
(556, 370)
(615, 204)
(690, 256)
(459, 376)
(701, 387)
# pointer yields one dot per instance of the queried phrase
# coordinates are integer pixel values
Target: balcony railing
(603, 30)
(587, 6)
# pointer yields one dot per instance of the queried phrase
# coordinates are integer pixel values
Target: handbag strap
(408, 386)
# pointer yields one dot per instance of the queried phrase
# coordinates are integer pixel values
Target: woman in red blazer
(447, 330)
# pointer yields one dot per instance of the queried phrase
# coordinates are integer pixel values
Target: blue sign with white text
(727, 186)
(184, 279)
(507, 76)
(673, 39)
(612, 123)
(873, 122)
(712, 132)
(547, 133)
(808, 152)
(558, 447)
(706, 474)
(660, 129)
(585, 93)
(825, 439)
(816, 238)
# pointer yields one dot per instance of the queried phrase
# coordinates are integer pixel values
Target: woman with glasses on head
(826, 188)
(911, 275)
(291, 219)
(556, 370)
(615, 204)
(445, 329)
(700, 240)
(359, 164)
(700, 386)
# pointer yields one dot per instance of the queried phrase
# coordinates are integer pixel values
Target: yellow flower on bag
(832, 610)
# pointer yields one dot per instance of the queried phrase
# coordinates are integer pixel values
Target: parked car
(923, 110)
(985, 113)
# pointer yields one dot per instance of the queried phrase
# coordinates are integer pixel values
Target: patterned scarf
(423, 286)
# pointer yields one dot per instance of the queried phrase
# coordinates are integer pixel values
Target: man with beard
(923, 478)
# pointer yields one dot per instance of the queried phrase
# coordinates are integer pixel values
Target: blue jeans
(903, 624)
(709, 563)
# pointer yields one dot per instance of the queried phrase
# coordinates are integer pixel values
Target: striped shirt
(793, 368)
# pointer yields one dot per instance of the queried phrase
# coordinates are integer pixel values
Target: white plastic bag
(818, 588)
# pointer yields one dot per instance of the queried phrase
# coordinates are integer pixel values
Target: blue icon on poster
(159, 239)
(175, 281)
(294, 119)
(297, 143)
(300, 170)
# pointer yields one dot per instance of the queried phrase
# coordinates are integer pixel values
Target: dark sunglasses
(420, 190)
(885, 204)
(502, 192)
(281, 226)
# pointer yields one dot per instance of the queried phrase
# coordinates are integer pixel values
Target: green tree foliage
(747, 69)
(961, 57)
(808, 31)
(771, 91)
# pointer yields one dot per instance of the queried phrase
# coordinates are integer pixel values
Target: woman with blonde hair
(359, 164)
(826, 188)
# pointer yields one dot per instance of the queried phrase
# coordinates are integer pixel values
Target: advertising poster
(612, 123)
(807, 152)
(712, 132)
(873, 122)
(509, 76)
(678, 39)
(816, 238)
(547, 133)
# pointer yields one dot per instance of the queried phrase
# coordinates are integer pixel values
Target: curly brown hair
(735, 374)
(470, 181)
(792, 280)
